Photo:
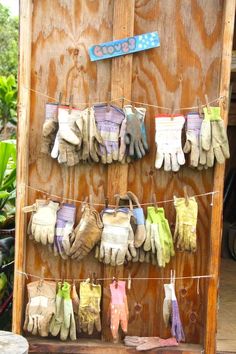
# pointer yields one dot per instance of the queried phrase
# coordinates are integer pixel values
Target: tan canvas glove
(41, 307)
(43, 221)
(95, 138)
(50, 128)
(87, 234)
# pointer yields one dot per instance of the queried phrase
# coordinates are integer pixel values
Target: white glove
(167, 304)
(115, 236)
(43, 221)
(168, 142)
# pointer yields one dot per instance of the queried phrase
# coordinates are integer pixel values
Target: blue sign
(124, 46)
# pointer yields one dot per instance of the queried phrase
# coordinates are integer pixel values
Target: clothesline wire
(128, 100)
(120, 278)
(6, 265)
(112, 205)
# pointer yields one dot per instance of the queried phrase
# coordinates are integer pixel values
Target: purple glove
(192, 145)
(108, 124)
(64, 227)
(176, 327)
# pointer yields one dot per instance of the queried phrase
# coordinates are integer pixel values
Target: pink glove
(118, 308)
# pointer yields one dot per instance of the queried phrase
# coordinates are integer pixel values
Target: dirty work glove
(50, 128)
(41, 307)
(89, 307)
(57, 319)
(122, 148)
(108, 124)
(114, 241)
(219, 140)
(176, 325)
(135, 137)
(140, 232)
(193, 127)
(69, 136)
(119, 312)
(43, 221)
(186, 223)
(87, 234)
(84, 149)
(168, 142)
(167, 305)
(95, 139)
(68, 325)
(64, 228)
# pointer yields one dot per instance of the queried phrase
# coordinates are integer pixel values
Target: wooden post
(22, 158)
(121, 81)
(216, 220)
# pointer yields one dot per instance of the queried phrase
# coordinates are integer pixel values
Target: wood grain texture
(22, 160)
(216, 218)
(185, 66)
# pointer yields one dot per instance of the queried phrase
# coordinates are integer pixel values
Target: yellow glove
(186, 223)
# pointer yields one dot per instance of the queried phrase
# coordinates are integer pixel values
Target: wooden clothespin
(186, 197)
(90, 280)
(200, 112)
(91, 200)
(117, 197)
(70, 103)
(95, 278)
(108, 102)
(42, 276)
(60, 99)
(172, 111)
(207, 104)
(129, 281)
(154, 199)
(106, 202)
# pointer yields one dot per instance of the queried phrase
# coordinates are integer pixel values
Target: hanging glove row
(206, 140)
(120, 234)
(103, 133)
(57, 310)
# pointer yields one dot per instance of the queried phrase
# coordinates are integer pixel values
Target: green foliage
(8, 101)
(8, 42)
(7, 180)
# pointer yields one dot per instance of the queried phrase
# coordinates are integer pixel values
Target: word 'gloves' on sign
(124, 46)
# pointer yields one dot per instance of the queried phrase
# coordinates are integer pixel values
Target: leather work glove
(95, 139)
(84, 149)
(135, 137)
(57, 319)
(68, 327)
(219, 140)
(64, 227)
(192, 144)
(186, 223)
(115, 236)
(41, 307)
(50, 128)
(75, 304)
(87, 234)
(119, 313)
(69, 136)
(168, 142)
(122, 148)
(89, 307)
(108, 124)
(43, 221)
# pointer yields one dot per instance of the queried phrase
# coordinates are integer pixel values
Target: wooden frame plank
(22, 158)
(121, 81)
(218, 184)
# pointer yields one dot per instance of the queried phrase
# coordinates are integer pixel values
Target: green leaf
(2, 219)
(4, 194)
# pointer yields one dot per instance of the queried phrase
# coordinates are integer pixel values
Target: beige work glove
(87, 234)
(89, 307)
(95, 138)
(50, 128)
(43, 221)
(186, 224)
(41, 307)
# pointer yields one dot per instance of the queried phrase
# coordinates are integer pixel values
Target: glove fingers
(167, 162)
(159, 159)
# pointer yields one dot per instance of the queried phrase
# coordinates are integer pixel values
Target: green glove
(68, 327)
(57, 319)
(3, 284)
(161, 238)
(214, 140)
(89, 307)
(186, 223)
